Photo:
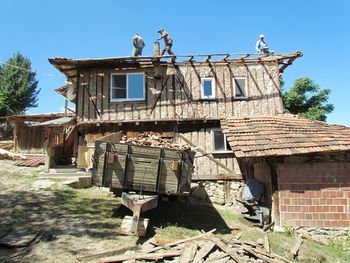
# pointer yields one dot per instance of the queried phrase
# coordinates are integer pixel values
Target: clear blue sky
(104, 28)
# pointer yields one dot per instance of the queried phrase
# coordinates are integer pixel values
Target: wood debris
(18, 239)
(205, 247)
(6, 145)
(7, 155)
(296, 248)
(153, 140)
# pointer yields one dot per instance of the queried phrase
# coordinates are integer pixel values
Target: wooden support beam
(208, 58)
(206, 154)
(173, 59)
(226, 57)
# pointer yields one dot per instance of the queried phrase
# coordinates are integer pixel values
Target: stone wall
(217, 192)
(325, 235)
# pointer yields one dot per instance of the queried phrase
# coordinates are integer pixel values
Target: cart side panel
(142, 173)
(169, 176)
(98, 163)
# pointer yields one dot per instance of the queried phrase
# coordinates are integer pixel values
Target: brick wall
(314, 194)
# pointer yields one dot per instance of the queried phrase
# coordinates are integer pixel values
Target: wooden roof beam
(225, 57)
(190, 59)
(208, 58)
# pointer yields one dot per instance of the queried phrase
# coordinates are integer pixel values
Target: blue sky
(84, 29)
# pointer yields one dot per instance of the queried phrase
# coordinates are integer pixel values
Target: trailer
(140, 174)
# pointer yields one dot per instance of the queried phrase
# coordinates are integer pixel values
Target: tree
(18, 86)
(308, 100)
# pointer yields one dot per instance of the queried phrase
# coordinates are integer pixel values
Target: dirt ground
(74, 223)
(71, 222)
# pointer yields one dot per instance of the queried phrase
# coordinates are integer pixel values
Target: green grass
(281, 243)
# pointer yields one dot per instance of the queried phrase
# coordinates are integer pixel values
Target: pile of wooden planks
(153, 140)
(205, 247)
(7, 155)
(7, 145)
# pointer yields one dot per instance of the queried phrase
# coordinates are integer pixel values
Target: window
(127, 87)
(208, 88)
(219, 141)
(240, 88)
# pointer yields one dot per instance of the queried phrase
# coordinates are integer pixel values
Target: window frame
(213, 142)
(127, 87)
(213, 89)
(234, 88)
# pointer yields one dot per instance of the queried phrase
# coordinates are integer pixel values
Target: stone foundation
(325, 235)
(217, 192)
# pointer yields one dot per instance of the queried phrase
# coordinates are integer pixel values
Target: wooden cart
(141, 173)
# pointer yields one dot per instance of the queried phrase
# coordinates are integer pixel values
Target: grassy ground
(75, 223)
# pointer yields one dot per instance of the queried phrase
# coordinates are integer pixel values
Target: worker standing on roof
(168, 41)
(138, 45)
(261, 46)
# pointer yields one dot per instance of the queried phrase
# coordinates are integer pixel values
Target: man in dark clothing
(139, 44)
(168, 41)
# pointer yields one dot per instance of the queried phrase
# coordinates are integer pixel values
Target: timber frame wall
(173, 97)
(173, 92)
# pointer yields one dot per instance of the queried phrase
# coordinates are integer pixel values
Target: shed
(29, 132)
(305, 165)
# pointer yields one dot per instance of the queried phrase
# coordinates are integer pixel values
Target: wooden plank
(206, 154)
(107, 254)
(267, 244)
(189, 252)
(105, 95)
(296, 247)
(140, 256)
(99, 91)
(233, 254)
(204, 251)
(175, 243)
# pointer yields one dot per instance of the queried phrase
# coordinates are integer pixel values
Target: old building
(203, 101)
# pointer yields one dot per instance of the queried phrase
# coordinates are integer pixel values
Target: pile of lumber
(153, 140)
(7, 145)
(205, 247)
(7, 155)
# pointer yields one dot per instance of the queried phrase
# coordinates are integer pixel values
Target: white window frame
(234, 88)
(213, 87)
(127, 87)
(213, 142)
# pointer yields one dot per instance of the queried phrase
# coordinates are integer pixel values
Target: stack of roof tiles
(283, 134)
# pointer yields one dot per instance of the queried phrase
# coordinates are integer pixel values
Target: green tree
(18, 86)
(307, 99)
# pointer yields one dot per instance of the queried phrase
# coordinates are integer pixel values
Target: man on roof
(138, 45)
(168, 41)
(261, 46)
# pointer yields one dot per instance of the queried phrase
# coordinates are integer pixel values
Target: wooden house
(228, 108)
(180, 96)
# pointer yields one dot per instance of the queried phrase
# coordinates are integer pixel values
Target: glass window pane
(240, 86)
(207, 88)
(118, 86)
(120, 93)
(136, 86)
(219, 141)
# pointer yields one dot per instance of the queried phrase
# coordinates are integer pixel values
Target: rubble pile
(205, 247)
(154, 140)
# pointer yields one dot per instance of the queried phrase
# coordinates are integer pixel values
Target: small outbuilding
(304, 164)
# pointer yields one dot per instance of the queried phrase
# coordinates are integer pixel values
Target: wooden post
(48, 151)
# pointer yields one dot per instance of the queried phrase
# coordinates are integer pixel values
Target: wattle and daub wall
(173, 92)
